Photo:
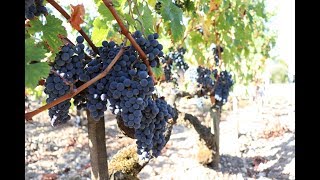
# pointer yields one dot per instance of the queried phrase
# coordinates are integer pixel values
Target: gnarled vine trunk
(97, 147)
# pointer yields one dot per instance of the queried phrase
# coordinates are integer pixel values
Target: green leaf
(158, 72)
(100, 22)
(260, 9)
(147, 20)
(229, 18)
(152, 3)
(119, 3)
(99, 35)
(36, 26)
(250, 18)
(198, 56)
(131, 21)
(196, 38)
(34, 72)
(32, 52)
(173, 15)
(51, 29)
(104, 12)
(189, 6)
(100, 30)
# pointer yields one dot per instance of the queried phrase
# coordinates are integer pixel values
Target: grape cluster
(144, 134)
(66, 70)
(219, 87)
(205, 81)
(128, 86)
(150, 135)
(167, 69)
(127, 89)
(178, 59)
(150, 46)
(174, 59)
(165, 113)
(216, 54)
(223, 86)
(79, 99)
(55, 87)
(96, 97)
(34, 8)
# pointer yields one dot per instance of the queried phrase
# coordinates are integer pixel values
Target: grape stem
(63, 79)
(29, 115)
(125, 32)
(67, 16)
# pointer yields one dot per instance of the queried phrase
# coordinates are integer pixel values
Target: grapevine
(128, 88)
(121, 77)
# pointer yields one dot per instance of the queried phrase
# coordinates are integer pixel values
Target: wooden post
(215, 115)
(97, 147)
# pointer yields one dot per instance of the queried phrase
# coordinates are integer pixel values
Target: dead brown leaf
(77, 16)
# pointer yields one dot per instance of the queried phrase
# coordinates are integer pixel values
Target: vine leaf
(51, 29)
(34, 72)
(152, 3)
(173, 15)
(77, 16)
(104, 12)
(147, 20)
(100, 30)
(33, 53)
(195, 39)
(158, 72)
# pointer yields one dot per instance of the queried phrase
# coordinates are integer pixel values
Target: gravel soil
(256, 142)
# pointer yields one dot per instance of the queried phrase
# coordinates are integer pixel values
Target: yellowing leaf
(77, 16)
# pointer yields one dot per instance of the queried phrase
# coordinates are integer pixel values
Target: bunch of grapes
(65, 72)
(34, 8)
(178, 59)
(215, 51)
(150, 47)
(150, 135)
(222, 88)
(205, 81)
(144, 134)
(165, 113)
(127, 88)
(167, 68)
(210, 84)
(127, 85)
(174, 59)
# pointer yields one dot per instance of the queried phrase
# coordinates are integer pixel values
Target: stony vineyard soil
(257, 142)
